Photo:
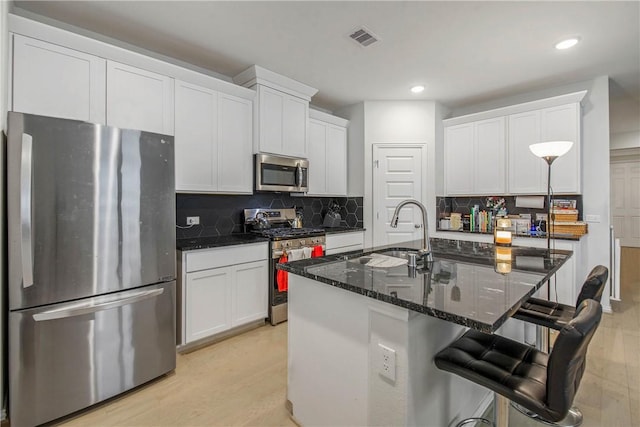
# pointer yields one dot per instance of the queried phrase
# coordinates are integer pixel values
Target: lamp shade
(551, 148)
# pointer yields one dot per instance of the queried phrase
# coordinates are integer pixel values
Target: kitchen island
(362, 336)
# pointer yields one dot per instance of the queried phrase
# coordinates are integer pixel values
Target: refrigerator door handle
(88, 308)
(26, 242)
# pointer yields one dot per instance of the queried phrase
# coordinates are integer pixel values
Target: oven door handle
(278, 254)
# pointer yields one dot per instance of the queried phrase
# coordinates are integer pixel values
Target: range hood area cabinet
(488, 152)
(327, 154)
(213, 141)
(281, 112)
(55, 81)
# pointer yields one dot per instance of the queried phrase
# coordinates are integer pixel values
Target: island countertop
(474, 284)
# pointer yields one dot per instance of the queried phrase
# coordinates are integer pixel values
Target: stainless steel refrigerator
(91, 283)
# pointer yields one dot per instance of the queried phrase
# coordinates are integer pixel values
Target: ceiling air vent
(363, 37)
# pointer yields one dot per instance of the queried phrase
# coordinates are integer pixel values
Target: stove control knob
(302, 242)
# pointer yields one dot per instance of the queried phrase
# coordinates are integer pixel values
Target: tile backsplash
(222, 214)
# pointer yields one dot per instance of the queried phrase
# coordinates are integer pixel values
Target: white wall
(624, 140)
(4, 67)
(374, 122)
(595, 163)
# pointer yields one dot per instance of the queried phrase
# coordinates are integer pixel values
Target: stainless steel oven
(278, 299)
(274, 173)
(276, 225)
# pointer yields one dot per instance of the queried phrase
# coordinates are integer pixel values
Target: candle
(503, 237)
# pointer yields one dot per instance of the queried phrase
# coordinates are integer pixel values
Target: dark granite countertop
(461, 286)
(218, 241)
(341, 229)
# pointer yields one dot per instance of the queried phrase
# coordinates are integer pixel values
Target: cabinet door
(196, 138)
(235, 144)
(139, 99)
(208, 303)
(250, 292)
(271, 104)
(459, 159)
(526, 171)
(336, 169)
(295, 115)
(490, 158)
(54, 81)
(317, 157)
(562, 124)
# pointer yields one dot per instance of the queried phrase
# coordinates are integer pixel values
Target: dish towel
(317, 252)
(296, 254)
(282, 277)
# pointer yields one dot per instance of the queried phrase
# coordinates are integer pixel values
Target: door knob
(417, 225)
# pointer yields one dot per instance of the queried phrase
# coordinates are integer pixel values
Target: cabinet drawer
(224, 256)
(344, 239)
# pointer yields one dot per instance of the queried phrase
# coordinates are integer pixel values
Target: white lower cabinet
(222, 288)
(344, 242)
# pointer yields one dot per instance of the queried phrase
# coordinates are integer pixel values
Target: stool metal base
(475, 420)
(573, 418)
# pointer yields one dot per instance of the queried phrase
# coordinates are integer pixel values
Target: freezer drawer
(65, 357)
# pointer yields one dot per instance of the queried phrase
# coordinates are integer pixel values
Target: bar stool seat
(543, 383)
(554, 315)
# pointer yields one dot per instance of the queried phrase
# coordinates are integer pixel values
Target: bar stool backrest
(594, 285)
(567, 359)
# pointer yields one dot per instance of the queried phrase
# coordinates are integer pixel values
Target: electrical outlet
(193, 220)
(386, 362)
(592, 218)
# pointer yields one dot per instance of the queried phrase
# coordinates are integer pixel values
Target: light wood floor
(242, 381)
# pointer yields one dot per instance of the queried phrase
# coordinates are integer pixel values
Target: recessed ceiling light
(566, 44)
(417, 89)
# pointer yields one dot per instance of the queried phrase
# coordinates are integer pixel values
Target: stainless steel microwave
(275, 173)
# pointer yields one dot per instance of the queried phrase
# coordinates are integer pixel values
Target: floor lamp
(549, 151)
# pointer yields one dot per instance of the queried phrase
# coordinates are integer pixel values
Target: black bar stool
(555, 315)
(545, 384)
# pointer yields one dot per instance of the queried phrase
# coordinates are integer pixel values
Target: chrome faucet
(426, 244)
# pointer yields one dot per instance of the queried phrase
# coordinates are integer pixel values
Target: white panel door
(398, 175)
(561, 124)
(336, 168)
(208, 302)
(295, 115)
(317, 157)
(51, 80)
(250, 292)
(527, 173)
(625, 202)
(196, 138)
(235, 145)
(139, 99)
(459, 159)
(489, 157)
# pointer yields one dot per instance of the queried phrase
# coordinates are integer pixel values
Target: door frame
(628, 156)
(423, 146)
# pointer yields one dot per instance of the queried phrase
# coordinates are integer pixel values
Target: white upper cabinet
(475, 157)
(563, 124)
(50, 80)
(282, 124)
(196, 150)
(235, 132)
(527, 172)
(139, 99)
(213, 141)
(487, 153)
(327, 155)
(281, 112)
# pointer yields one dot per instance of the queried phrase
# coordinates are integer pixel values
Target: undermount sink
(398, 253)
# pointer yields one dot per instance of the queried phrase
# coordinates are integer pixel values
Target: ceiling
(463, 52)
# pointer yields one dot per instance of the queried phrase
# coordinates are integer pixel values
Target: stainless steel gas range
(276, 224)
